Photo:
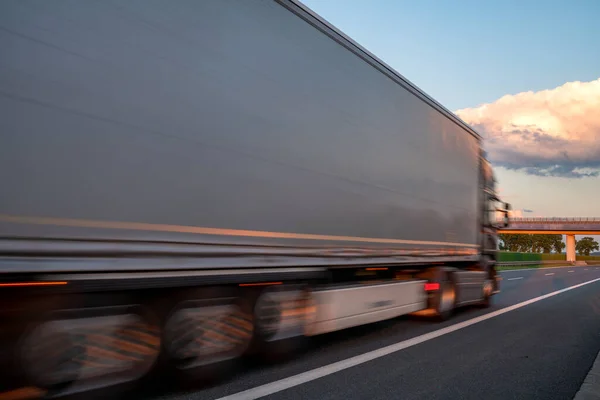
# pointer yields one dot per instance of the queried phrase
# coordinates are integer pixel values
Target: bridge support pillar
(571, 248)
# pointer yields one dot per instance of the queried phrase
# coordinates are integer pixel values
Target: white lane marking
(551, 273)
(304, 377)
(571, 271)
(585, 269)
(514, 279)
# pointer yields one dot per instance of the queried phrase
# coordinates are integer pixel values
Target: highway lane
(521, 285)
(542, 350)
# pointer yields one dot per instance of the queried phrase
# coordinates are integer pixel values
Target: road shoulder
(590, 389)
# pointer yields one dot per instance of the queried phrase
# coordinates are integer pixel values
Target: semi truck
(188, 183)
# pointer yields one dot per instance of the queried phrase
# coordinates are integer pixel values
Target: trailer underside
(77, 331)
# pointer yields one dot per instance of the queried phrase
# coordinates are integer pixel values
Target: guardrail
(541, 220)
(540, 262)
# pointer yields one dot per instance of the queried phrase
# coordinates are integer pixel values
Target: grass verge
(539, 266)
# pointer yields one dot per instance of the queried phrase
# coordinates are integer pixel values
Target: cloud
(515, 214)
(552, 132)
(518, 213)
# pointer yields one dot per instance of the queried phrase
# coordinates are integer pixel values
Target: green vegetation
(588, 258)
(586, 245)
(595, 262)
(525, 243)
(542, 249)
(508, 256)
(508, 268)
(549, 247)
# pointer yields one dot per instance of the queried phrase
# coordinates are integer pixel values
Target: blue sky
(471, 52)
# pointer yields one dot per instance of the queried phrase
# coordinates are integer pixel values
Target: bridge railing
(539, 220)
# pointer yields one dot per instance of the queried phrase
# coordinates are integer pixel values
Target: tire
(488, 288)
(489, 285)
(444, 303)
(185, 330)
(266, 346)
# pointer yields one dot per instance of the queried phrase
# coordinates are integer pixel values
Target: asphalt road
(541, 350)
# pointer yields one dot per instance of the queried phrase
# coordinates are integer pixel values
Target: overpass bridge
(564, 226)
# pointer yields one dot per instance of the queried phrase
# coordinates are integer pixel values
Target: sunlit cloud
(553, 132)
(515, 214)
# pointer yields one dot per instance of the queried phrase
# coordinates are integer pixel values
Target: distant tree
(514, 242)
(545, 243)
(522, 243)
(537, 242)
(558, 243)
(525, 243)
(586, 245)
(534, 244)
(502, 243)
(508, 242)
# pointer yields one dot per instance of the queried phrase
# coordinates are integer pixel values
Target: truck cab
(494, 214)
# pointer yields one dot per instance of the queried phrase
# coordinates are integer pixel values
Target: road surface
(542, 349)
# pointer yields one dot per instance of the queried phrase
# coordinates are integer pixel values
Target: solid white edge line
(514, 279)
(295, 380)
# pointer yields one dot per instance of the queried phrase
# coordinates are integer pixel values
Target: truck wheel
(446, 301)
(490, 283)
(48, 358)
(441, 293)
(488, 288)
(95, 347)
(205, 333)
(281, 314)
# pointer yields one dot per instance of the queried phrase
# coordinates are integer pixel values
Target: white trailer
(185, 182)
